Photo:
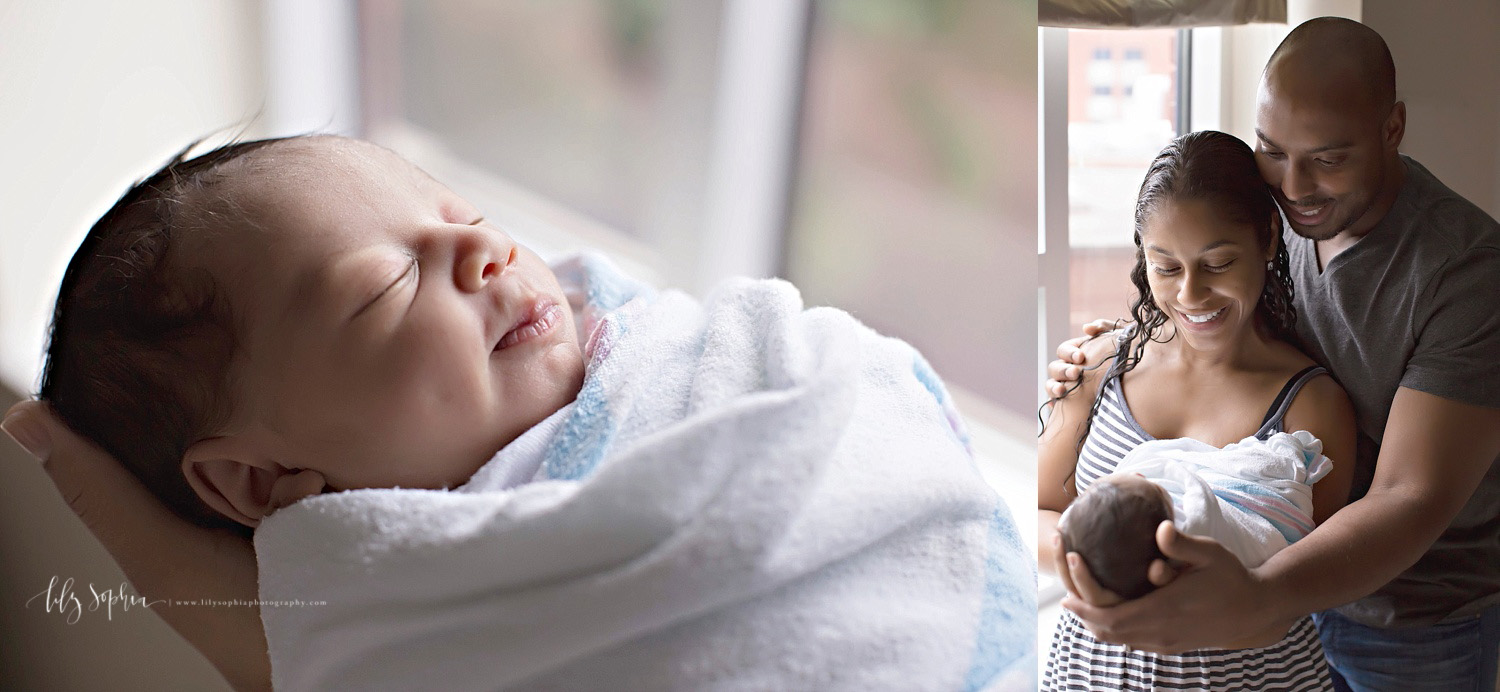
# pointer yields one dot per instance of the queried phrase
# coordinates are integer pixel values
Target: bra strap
(1283, 400)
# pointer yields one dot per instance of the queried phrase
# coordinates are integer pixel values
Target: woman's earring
(1270, 266)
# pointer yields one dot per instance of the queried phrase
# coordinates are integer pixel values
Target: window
(1102, 72)
(907, 208)
(1109, 148)
(603, 107)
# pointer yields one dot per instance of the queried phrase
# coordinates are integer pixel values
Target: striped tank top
(1078, 661)
(1115, 431)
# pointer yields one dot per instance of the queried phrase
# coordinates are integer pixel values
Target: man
(1396, 279)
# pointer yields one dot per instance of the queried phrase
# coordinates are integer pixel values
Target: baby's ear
(235, 477)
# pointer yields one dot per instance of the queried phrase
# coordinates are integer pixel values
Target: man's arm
(1432, 458)
(1076, 354)
(1434, 454)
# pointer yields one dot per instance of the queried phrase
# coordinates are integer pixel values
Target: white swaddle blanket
(745, 495)
(1254, 497)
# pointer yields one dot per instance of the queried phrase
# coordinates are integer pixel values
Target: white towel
(1254, 497)
(746, 495)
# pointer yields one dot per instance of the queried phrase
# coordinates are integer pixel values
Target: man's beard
(1327, 231)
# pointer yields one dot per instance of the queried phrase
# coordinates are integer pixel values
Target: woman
(1209, 357)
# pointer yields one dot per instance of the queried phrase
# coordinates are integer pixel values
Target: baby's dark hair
(138, 359)
(1113, 528)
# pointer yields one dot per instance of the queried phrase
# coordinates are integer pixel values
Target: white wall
(94, 95)
(1246, 49)
(1448, 73)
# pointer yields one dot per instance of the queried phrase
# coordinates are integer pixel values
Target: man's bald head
(1328, 128)
(1333, 55)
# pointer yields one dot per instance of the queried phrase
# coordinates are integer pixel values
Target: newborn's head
(279, 318)
(1112, 526)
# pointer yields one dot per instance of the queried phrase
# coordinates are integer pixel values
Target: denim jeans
(1452, 657)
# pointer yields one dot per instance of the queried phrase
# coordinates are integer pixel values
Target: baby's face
(390, 335)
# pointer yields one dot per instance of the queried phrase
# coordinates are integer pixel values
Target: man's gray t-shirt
(1416, 304)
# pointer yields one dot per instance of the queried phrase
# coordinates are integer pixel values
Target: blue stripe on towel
(609, 289)
(584, 437)
(1007, 619)
(1256, 499)
(929, 379)
(586, 434)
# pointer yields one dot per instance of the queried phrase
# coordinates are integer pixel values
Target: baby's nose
(481, 261)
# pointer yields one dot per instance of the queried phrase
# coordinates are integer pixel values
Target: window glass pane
(915, 199)
(602, 105)
(1122, 101)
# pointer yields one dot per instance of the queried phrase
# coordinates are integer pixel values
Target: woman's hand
(163, 555)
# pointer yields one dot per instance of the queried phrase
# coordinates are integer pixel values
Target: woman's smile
(1202, 321)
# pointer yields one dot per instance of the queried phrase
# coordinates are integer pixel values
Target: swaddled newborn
(312, 337)
(1254, 497)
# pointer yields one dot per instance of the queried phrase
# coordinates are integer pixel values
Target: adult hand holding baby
(163, 555)
(1074, 574)
(1081, 585)
(1205, 596)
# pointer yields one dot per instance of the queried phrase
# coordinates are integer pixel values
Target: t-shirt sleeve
(1457, 352)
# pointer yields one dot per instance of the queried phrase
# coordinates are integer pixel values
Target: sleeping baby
(1254, 497)
(278, 319)
(521, 475)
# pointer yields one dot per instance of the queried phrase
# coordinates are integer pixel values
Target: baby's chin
(550, 388)
(562, 381)
(559, 388)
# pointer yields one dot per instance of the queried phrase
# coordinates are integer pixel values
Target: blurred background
(880, 154)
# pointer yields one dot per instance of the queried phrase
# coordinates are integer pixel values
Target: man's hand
(1072, 356)
(163, 555)
(1213, 602)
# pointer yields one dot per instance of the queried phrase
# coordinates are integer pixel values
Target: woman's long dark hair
(1219, 169)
